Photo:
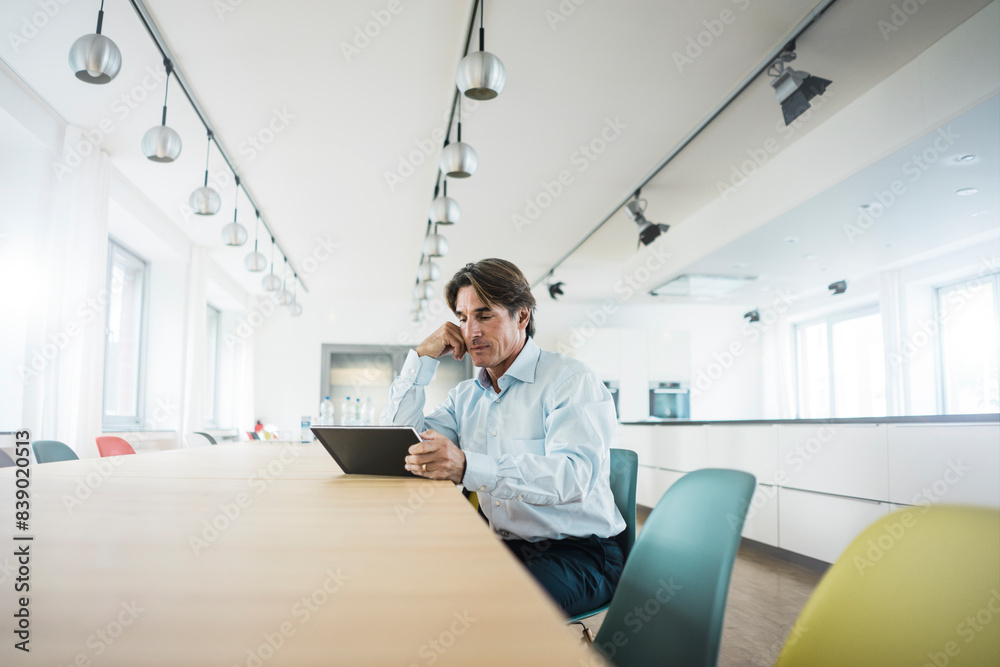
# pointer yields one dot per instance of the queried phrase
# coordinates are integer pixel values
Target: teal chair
(671, 600)
(49, 451)
(624, 471)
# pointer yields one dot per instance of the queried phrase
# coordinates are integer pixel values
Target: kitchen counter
(910, 419)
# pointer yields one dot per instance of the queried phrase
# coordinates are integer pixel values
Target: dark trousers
(579, 573)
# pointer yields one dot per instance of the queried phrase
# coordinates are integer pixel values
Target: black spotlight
(793, 88)
(648, 231)
(753, 316)
(555, 289)
(838, 287)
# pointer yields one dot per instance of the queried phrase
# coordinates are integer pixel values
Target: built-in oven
(669, 400)
(613, 388)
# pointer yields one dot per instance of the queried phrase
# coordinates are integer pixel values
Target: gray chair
(210, 439)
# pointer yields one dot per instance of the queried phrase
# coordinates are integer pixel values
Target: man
(530, 434)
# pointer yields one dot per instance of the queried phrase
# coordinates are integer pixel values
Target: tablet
(369, 450)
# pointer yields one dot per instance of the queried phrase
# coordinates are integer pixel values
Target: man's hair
(497, 282)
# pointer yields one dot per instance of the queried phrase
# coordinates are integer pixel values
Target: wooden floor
(766, 595)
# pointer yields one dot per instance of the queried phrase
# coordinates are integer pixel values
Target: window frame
(136, 421)
(941, 399)
(829, 320)
(214, 399)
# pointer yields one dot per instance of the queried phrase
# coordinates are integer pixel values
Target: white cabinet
(668, 355)
(678, 447)
(762, 515)
(949, 463)
(822, 526)
(652, 483)
(752, 448)
(845, 459)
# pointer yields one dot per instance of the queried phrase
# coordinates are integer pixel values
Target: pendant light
(458, 160)
(284, 297)
(205, 200)
(95, 58)
(428, 272)
(481, 75)
(235, 234)
(255, 261)
(435, 245)
(444, 209)
(295, 308)
(423, 292)
(417, 314)
(161, 143)
(271, 282)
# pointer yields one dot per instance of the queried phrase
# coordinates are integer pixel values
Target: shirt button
(497, 503)
(494, 433)
(497, 401)
(482, 488)
(520, 497)
(412, 371)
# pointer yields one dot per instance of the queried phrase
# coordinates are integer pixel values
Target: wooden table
(261, 554)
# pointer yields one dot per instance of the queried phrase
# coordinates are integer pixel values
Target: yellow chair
(919, 587)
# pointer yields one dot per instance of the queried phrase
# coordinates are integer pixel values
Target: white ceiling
(323, 176)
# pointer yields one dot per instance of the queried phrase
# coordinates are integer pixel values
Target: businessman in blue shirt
(530, 434)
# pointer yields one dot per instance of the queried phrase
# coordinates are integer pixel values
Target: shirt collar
(522, 369)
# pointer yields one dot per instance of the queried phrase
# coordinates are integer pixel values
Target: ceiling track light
(161, 143)
(481, 75)
(793, 88)
(555, 287)
(235, 234)
(752, 316)
(255, 261)
(648, 231)
(458, 160)
(429, 271)
(205, 200)
(838, 287)
(94, 58)
(444, 210)
(271, 282)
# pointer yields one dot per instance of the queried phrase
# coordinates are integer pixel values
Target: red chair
(110, 445)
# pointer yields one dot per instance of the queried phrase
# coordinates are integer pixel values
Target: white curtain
(193, 395)
(64, 352)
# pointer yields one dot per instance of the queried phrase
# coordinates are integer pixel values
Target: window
(840, 366)
(123, 341)
(211, 367)
(969, 352)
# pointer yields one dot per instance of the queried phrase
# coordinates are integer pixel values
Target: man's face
(492, 336)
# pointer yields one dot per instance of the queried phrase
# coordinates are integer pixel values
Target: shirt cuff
(418, 370)
(480, 472)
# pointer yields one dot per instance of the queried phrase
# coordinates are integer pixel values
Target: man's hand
(436, 457)
(447, 338)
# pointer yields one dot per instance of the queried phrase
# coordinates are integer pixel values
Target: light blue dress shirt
(537, 453)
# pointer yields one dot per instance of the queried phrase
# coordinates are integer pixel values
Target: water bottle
(369, 412)
(358, 417)
(326, 412)
(305, 435)
(345, 412)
